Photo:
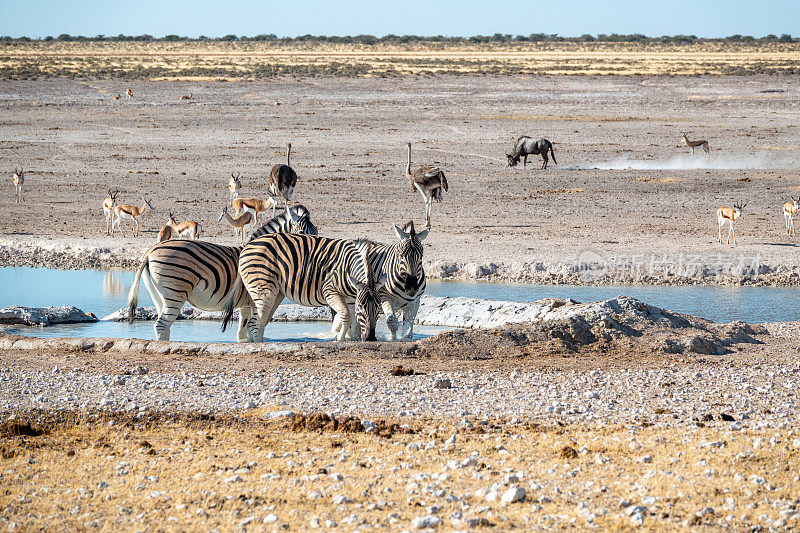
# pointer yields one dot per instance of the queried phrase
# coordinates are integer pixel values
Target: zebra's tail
(227, 313)
(552, 153)
(133, 295)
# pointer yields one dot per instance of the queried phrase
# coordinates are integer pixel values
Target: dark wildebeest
(526, 146)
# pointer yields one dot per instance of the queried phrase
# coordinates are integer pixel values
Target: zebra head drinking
(368, 301)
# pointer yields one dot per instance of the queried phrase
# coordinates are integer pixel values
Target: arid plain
(614, 434)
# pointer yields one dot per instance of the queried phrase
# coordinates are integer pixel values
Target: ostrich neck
(408, 164)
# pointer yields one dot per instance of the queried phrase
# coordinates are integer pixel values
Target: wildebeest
(526, 146)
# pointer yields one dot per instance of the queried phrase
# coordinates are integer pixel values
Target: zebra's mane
(280, 222)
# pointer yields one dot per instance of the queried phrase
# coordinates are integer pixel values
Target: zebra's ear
(400, 233)
(292, 214)
(422, 234)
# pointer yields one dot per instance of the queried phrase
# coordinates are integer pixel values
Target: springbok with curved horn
(282, 180)
(239, 222)
(108, 208)
(132, 212)
(429, 181)
(730, 215)
(19, 179)
(789, 211)
(694, 144)
(255, 205)
(189, 229)
(234, 185)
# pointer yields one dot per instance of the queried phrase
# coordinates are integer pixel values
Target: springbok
(189, 229)
(789, 211)
(165, 233)
(132, 212)
(239, 221)
(19, 179)
(108, 208)
(694, 144)
(730, 215)
(129, 94)
(184, 97)
(255, 205)
(234, 185)
(116, 97)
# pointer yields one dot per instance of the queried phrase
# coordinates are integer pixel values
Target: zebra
(400, 264)
(203, 274)
(311, 271)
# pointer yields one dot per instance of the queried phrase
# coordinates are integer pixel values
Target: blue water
(105, 291)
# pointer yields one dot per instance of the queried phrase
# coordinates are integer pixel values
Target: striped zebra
(203, 274)
(311, 271)
(400, 265)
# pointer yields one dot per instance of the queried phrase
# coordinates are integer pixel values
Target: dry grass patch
(253, 60)
(182, 472)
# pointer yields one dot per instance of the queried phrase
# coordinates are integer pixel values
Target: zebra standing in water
(203, 274)
(400, 264)
(311, 271)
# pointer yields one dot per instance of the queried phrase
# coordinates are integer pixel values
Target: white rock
(513, 495)
(270, 518)
(422, 522)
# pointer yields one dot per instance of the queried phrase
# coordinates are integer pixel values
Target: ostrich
(282, 180)
(429, 181)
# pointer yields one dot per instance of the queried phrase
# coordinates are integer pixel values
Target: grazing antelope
(19, 179)
(116, 97)
(282, 180)
(129, 94)
(239, 222)
(132, 212)
(190, 228)
(108, 208)
(730, 215)
(165, 233)
(184, 97)
(255, 205)
(234, 185)
(693, 144)
(429, 181)
(525, 146)
(789, 211)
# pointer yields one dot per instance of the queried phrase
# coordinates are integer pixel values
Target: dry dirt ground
(348, 140)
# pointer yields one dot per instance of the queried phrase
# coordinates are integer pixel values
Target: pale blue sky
(704, 18)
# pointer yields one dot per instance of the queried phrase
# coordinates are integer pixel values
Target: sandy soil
(650, 225)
